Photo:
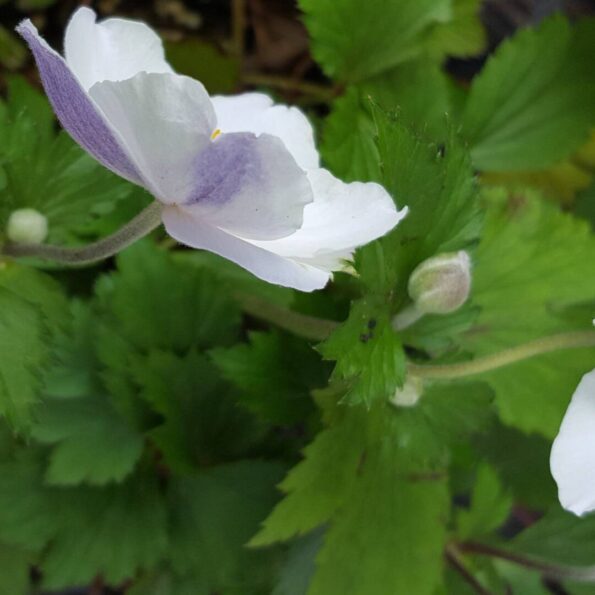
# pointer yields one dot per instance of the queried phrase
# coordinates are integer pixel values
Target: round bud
(441, 284)
(27, 226)
(409, 394)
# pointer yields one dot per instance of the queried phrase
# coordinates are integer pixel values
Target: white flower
(238, 176)
(572, 459)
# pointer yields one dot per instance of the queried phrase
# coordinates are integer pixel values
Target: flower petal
(113, 50)
(191, 231)
(250, 186)
(255, 112)
(165, 121)
(75, 110)
(341, 218)
(572, 459)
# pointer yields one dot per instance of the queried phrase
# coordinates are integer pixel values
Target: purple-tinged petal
(75, 110)
(165, 121)
(249, 186)
(255, 112)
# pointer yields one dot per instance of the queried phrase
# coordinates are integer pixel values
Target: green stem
(560, 572)
(145, 222)
(407, 317)
(504, 358)
(302, 325)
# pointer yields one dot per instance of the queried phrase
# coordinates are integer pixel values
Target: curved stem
(145, 222)
(584, 574)
(504, 358)
(301, 325)
(407, 317)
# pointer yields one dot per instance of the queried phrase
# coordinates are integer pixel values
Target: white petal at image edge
(572, 459)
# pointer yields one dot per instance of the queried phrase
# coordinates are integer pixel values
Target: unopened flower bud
(27, 226)
(409, 394)
(441, 284)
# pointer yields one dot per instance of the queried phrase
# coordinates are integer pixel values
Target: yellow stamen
(215, 134)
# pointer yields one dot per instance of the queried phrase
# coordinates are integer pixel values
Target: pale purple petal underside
(224, 167)
(75, 110)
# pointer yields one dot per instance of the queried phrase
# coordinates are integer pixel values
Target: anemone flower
(238, 176)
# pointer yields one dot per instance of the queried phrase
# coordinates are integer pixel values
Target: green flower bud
(27, 226)
(441, 284)
(409, 395)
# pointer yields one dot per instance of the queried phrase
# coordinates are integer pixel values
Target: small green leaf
(382, 33)
(368, 353)
(377, 479)
(534, 102)
(417, 90)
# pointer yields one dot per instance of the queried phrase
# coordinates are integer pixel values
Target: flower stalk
(507, 357)
(144, 223)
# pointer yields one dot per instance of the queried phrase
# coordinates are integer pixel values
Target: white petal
(341, 218)
(113, 50)
(250, 186)
(255, 112)
(165, 121)
(267, 266)
(572, 459)
(77, 112)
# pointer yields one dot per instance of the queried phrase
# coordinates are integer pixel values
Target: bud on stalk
(27, 226)
(441, 284)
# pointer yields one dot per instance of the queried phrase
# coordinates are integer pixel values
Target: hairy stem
(301, 325)
(584, 574)
(145, 222)
(504, 358)
(407, 317)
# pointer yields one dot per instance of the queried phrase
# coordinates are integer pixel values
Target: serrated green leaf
(27, 516)
(31, 306)
(113, 531)
(214, 515)
(368, 352)
(275, 374)
(532, 262)
(438, 186)
(92, 444)
(157, 303)
(73, 369)
(202, 422)
(534, 102)
(83, 531)
(382, 33)
(418, 90)
(377, 479)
